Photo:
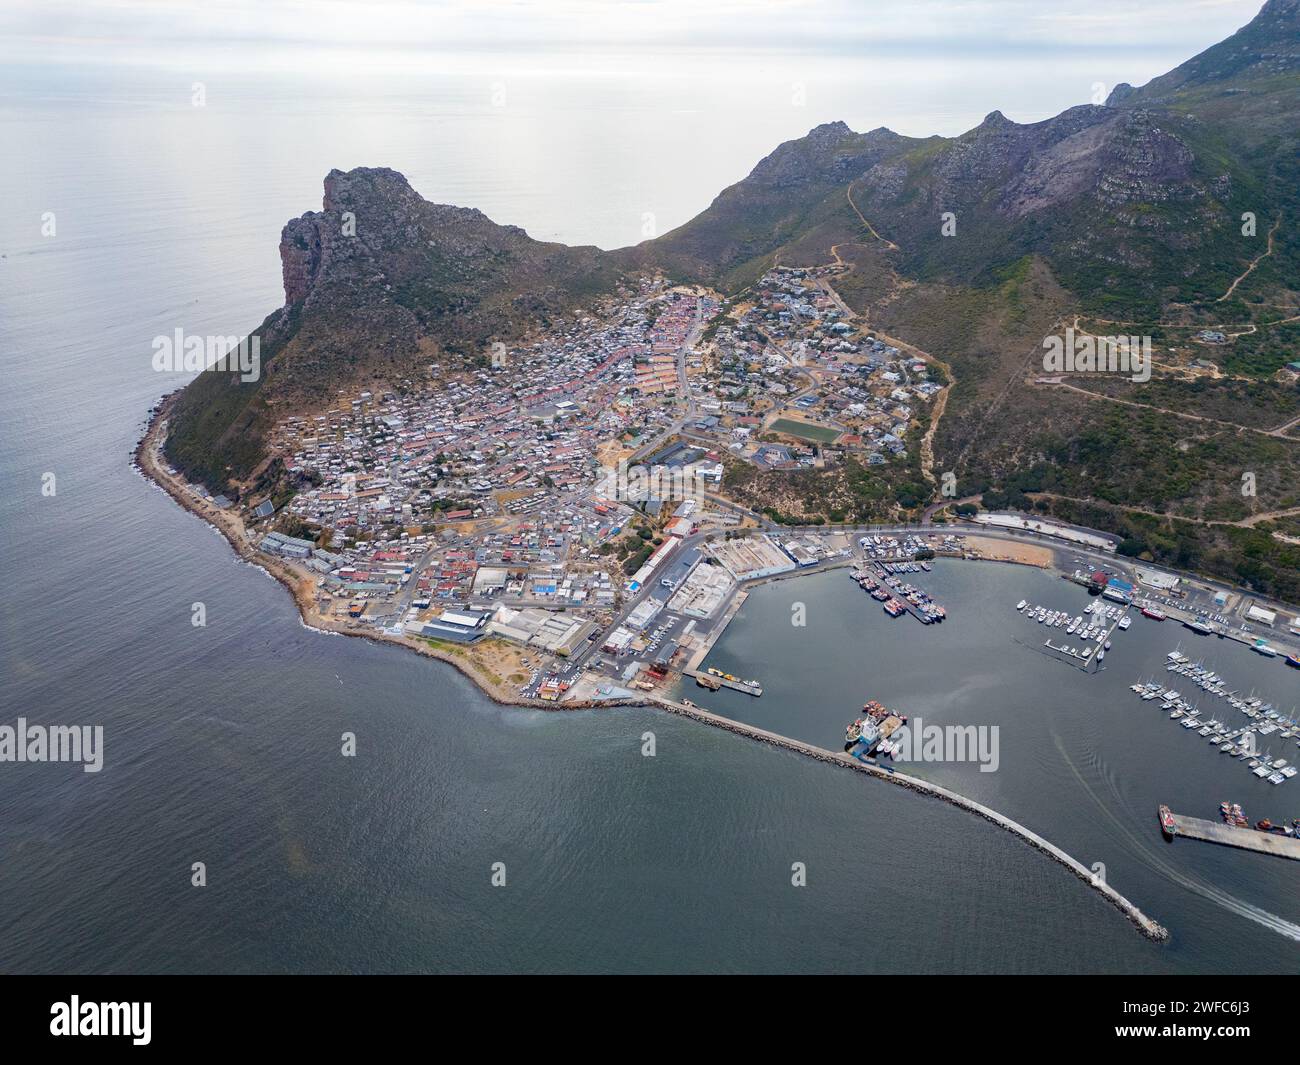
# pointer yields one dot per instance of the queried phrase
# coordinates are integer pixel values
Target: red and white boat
(1167, 825)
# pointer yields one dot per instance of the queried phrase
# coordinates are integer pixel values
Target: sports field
(819, 434)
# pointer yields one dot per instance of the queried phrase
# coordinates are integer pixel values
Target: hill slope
(378, 284)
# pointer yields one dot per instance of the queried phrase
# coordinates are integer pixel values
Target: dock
(705, 644)
(713, 682)
(1249, 839)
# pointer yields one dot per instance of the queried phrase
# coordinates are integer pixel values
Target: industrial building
(752, 557)
(460, 626)
(1259, 614)
(703, 592)
(286, 546)
(556, 633)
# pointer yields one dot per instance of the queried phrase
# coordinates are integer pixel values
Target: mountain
(1133, 205)
(1260, 58)
(1167, 211)
(791, 197)
(378, 284)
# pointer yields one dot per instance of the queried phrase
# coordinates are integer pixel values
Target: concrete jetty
(706, 645)
(714, 682)
(1250, 839)
(1146, 925)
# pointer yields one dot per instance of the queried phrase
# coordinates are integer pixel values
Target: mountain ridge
(1130, 213)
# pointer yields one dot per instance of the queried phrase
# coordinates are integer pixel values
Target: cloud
(254, 33)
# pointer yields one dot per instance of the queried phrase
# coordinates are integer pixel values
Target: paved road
(684, 396)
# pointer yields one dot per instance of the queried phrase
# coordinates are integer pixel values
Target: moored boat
(1167, 825)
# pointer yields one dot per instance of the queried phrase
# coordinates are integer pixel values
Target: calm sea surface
(222, 743)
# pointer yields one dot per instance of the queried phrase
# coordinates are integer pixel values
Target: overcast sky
(392, 34)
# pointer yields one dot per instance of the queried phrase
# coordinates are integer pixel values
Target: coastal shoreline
(149, 461)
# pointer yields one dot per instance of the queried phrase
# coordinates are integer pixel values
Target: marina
(1240, 741)
(904, 681)
(897, 597)
(1093, 628)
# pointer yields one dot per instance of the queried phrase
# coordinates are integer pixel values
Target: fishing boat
(1167, 825)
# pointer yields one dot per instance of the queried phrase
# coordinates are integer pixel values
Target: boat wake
(1139, 848)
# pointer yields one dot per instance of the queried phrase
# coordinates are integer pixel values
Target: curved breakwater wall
(1146, 925)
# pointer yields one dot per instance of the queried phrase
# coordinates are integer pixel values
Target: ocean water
(1081, 759)
(222, 744)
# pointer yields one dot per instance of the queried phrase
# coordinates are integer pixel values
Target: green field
(819, 434)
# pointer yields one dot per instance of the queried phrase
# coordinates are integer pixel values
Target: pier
(1071, 657)
(713, 682)
(1249, 839)
(1146, 925)
(705, 644)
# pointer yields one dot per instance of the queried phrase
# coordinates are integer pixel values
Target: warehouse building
(286, 546)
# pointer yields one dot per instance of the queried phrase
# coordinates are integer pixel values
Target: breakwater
(1146, 925)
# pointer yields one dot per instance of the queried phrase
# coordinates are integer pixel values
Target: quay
(706, 645)
(713, 682)
(1249, 839)
(1146, 925)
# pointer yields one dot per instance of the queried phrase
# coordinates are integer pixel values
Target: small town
(728, 465)
(554, 520)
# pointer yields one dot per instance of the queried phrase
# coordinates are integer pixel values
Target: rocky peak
(350, 189)
(1282, 13)
(1119, 93)
(829, 131)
